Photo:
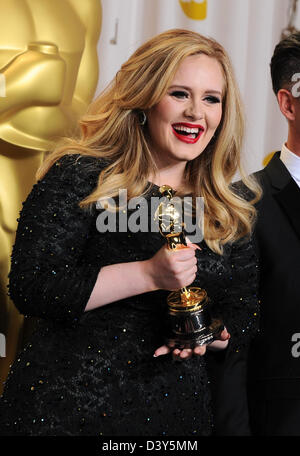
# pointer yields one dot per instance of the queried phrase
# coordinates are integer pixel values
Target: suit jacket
(274, 361)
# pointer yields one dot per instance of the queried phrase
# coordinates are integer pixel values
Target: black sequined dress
(93, 373)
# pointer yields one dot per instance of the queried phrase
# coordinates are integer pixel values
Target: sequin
(93, 373)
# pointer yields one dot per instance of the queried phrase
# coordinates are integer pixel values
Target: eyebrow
(188, 88)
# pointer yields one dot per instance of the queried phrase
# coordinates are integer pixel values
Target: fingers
(221, 342)
(217, 345)
(186, 353)
(224, 335)
(182, 272)
(180, 354)
(190, 244)
(179, 266)
(184, 265)
(194, 246)
(200, 350)
(177, 353)
(163, 350)
(182, 254)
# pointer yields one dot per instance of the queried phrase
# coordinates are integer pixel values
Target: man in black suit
(273, 403)
(274, 361)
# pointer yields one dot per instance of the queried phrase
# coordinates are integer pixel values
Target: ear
(286, 103)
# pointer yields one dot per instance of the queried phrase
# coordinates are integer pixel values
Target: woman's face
(183, 122)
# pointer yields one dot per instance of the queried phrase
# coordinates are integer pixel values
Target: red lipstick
(181, 132)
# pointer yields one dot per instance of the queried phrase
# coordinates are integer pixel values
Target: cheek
(215, 118)
(159, 115)
(165, 111)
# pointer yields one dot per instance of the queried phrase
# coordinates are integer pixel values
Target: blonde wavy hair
(111, 130)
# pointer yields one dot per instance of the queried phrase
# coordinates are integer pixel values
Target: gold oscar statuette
(49, 72)
(188, 321)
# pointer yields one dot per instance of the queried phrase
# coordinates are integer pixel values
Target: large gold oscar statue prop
(49, 66)
(188, 320)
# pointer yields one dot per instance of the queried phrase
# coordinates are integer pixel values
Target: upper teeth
(187, 129)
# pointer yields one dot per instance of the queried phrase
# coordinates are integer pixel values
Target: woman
(171, 116)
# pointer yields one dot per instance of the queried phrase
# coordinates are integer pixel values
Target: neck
(172, 175)
(293, 142)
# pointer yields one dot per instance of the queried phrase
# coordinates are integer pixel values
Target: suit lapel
(285, 191)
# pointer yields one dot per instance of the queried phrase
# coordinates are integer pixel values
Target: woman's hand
(173, 269)
(167, 269)
(181, 355)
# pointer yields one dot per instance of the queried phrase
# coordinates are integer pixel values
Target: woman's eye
(179, 94)
(212, 99)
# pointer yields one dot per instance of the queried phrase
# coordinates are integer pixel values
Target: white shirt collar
(291, 162)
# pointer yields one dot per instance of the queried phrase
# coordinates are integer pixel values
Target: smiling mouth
(187, 132)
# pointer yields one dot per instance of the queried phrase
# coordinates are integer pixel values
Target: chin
(189, 156)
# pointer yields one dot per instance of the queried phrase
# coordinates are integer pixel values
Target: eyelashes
(212, 99)
(181, 95)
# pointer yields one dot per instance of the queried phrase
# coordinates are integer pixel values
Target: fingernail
(193, 246)
(154, 356)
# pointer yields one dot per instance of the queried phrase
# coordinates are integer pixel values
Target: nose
(194, 110)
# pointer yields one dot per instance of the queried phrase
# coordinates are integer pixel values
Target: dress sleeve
(48, 277)
(239, 303)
